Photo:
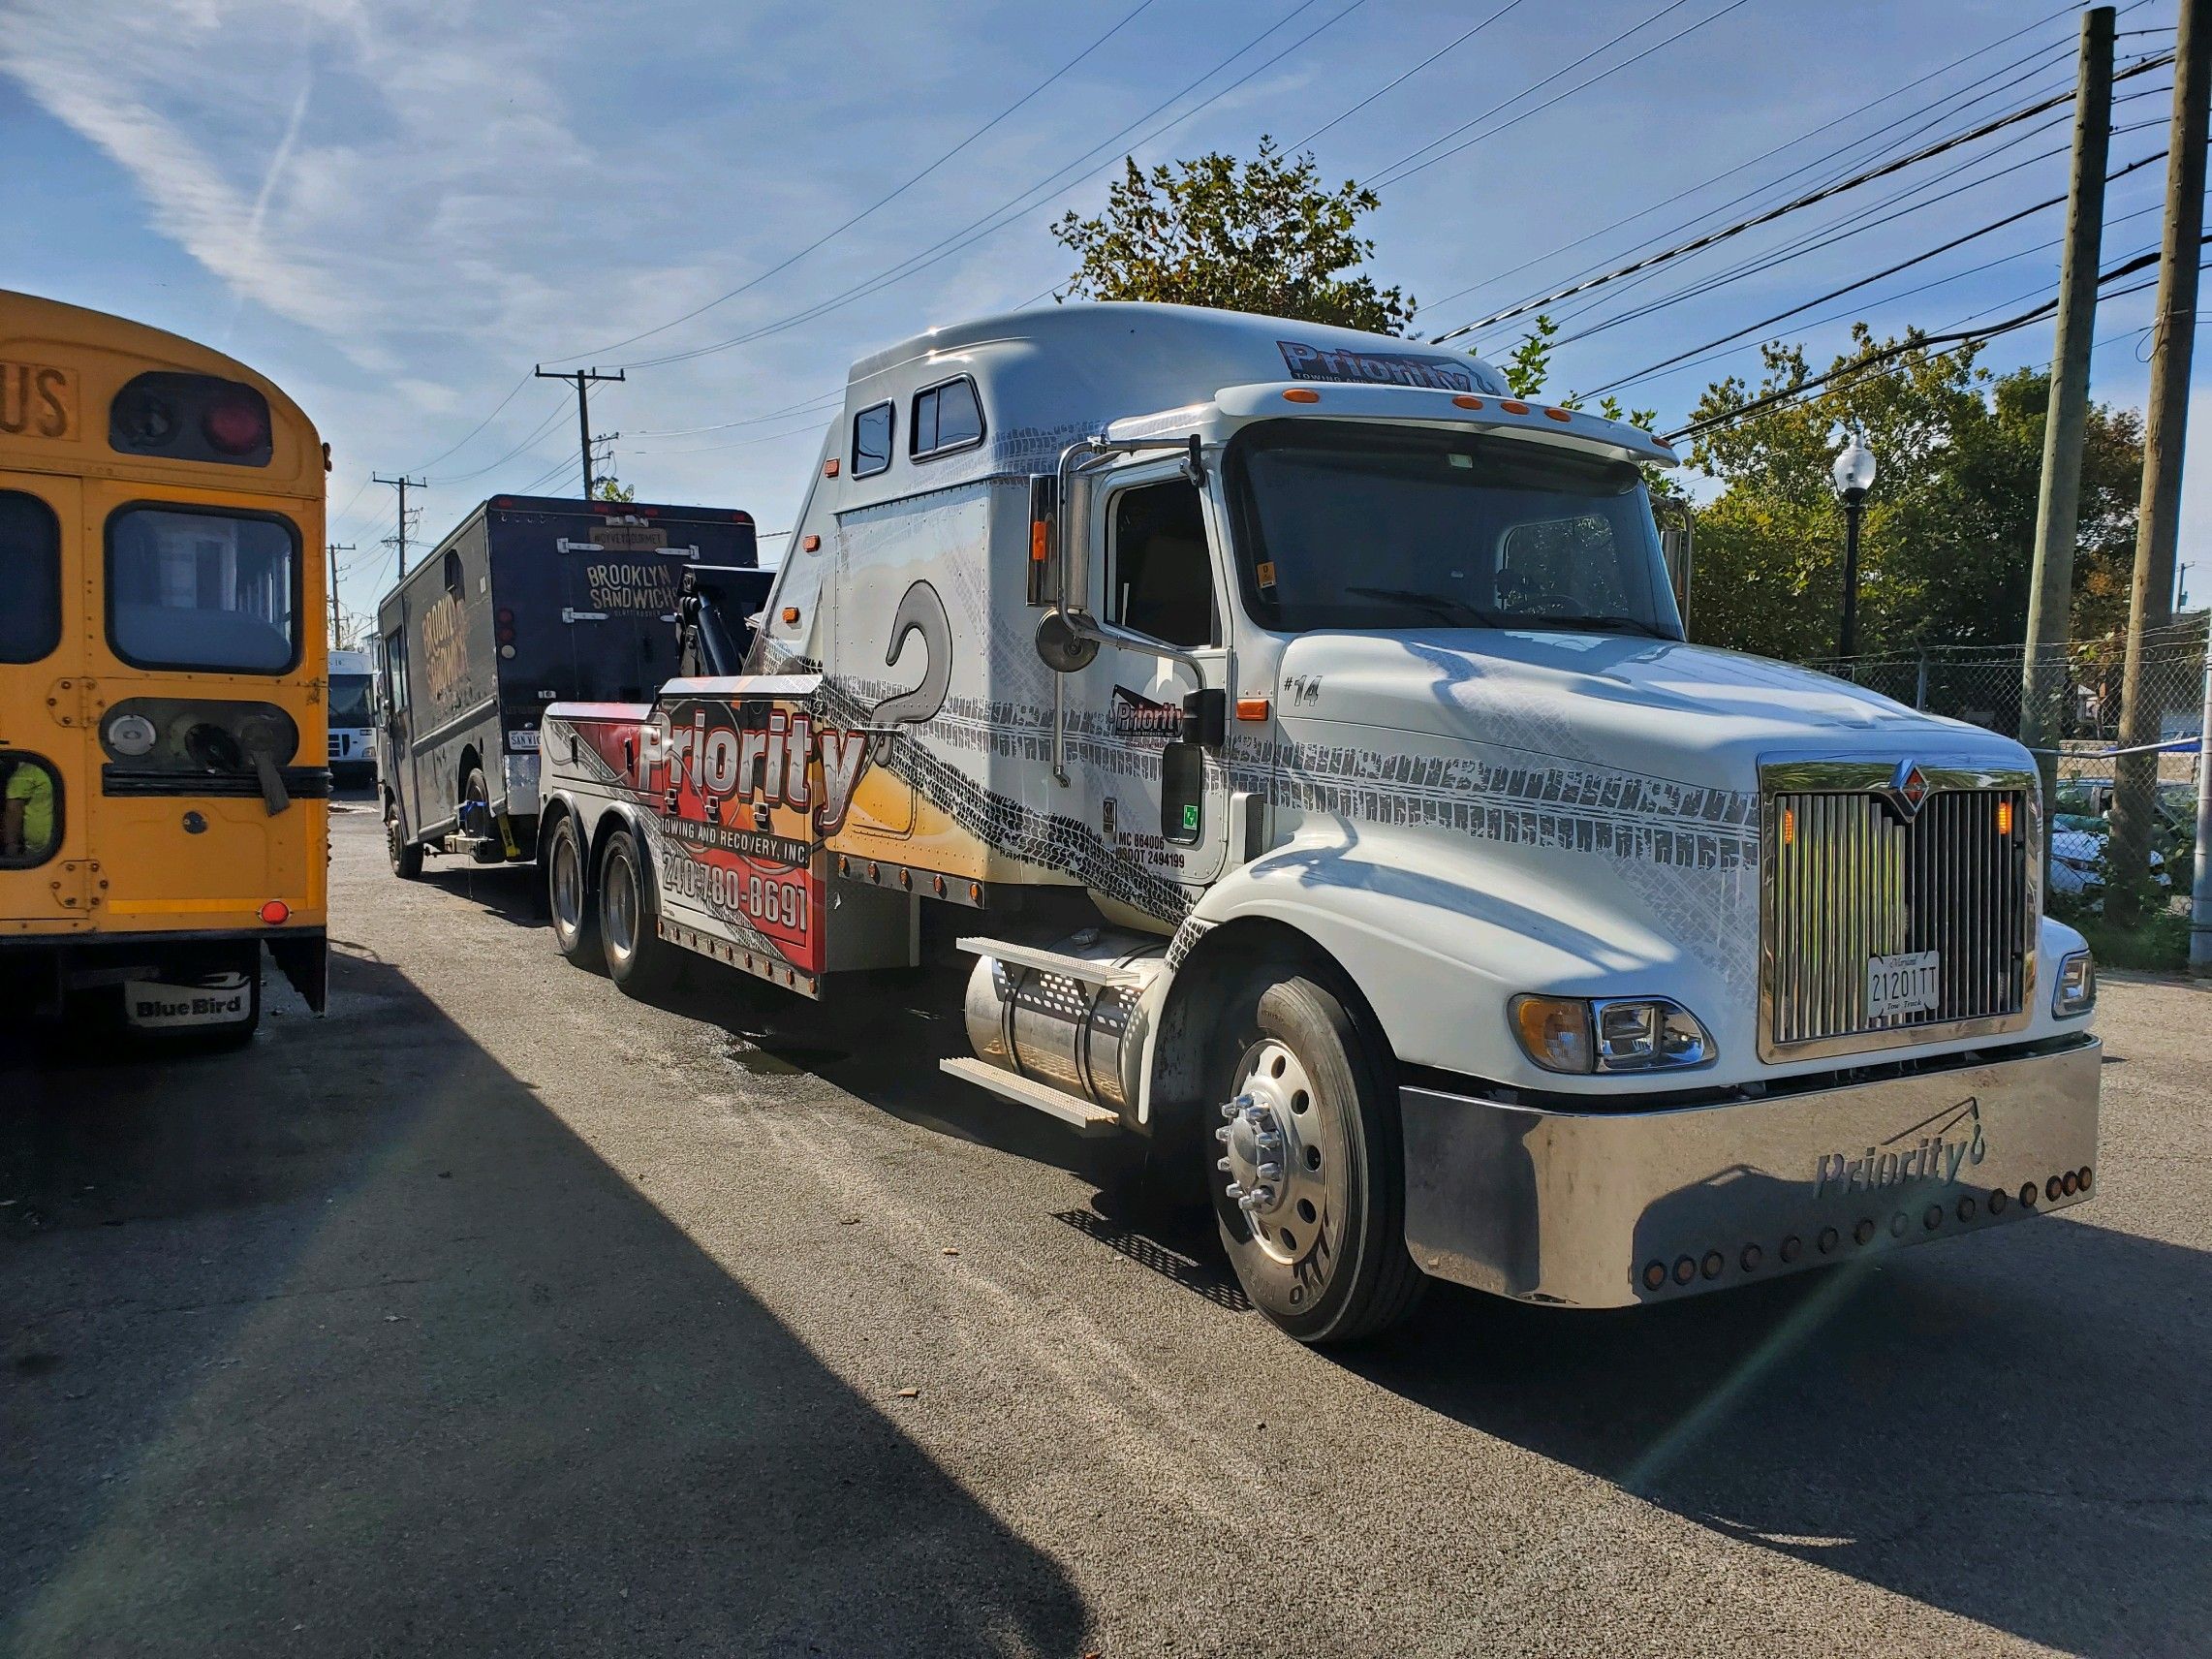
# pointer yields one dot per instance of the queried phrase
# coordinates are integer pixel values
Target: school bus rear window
(192, 589)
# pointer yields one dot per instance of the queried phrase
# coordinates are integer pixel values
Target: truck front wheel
(638, 958)
(1309, 1187)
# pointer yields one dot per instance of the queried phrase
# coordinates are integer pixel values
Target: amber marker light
(1465, 402)
(1559, 415)
(1514, 406)
(791, 613)
(1301, 395)
(1251, 708)
(1788, 826)
(2004, 818)
(1039, 541)
(830, 467)
(812, 543)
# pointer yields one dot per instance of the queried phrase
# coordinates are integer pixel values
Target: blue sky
(394, 208)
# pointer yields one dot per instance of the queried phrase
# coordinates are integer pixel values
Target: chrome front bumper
(1587, 1210)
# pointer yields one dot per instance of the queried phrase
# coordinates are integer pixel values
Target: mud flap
(305, 959)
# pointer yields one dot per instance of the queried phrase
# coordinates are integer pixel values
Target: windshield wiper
(1441, 604)
(1592, 625)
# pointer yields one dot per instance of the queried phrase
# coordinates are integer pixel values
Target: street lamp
(1854, 477)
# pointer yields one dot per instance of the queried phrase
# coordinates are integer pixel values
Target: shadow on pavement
(2009, 1427)
(509, 891)
(346, 1338)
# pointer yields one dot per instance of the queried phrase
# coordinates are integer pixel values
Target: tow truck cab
(1297, 731)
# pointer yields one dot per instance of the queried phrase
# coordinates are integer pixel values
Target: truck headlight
(1618, 1034)
(2076, 991)
(1554, 1031)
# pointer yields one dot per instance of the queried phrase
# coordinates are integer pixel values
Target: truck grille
(1851, 877)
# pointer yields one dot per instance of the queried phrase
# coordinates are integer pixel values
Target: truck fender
(1434, 948)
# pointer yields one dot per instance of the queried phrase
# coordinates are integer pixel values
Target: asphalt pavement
(498, 1313)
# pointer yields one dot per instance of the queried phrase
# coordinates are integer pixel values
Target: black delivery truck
(533, 600)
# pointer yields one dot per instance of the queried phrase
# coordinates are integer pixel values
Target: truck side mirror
(1064, 651)
(1205, 718)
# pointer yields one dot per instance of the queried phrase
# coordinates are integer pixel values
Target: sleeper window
(946, 418)
(1160, 582)
(872, 441)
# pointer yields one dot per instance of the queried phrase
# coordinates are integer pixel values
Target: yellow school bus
(164, 786)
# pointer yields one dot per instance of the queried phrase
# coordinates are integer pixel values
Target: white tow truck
(1296, 731)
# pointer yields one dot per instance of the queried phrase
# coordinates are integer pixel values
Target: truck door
(394, 744)
(48, 775)
(1169, 794)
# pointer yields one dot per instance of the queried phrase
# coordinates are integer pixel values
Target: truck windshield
(1354, 526)
(350, 701)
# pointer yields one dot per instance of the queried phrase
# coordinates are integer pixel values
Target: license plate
(219, 1000)
(1908, 983)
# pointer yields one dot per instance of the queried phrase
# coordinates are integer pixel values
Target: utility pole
(338, 630)
(2165, 429)
(583, 377)
(405, 483)
(2050, 590)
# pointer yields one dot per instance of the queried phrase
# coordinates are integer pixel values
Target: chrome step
(1077, 1114)
(1111, 974)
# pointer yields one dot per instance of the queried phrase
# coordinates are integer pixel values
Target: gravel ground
(498, 1313)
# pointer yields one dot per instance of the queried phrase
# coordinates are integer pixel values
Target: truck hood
(1621, 702)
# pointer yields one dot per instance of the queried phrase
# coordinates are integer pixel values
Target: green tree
(1948, 534)
(611, 488)
(1262, 236)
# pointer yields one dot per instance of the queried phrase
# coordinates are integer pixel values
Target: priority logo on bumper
(1937, 1154)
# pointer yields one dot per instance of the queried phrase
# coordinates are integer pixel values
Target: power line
(2025, 318)
(1792, 143)
(1451, 45)
(1697, 244)
(1862, 282)
(1391, 175)
(1706, 355)
(1885, 148)
(536, 436)
(479, 426)
(1127, 18)
(1013, 209)
(1826, 234)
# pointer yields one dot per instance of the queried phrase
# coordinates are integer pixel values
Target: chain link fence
(1982, 684)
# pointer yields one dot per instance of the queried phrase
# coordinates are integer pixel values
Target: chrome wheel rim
(568, 886)
(619, 915)
(1284, 1157)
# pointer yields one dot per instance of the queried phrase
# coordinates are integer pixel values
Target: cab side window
(1160, 578)
(30, 576)
(395, 671)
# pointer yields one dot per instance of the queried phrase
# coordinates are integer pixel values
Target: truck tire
(1309, 1190)
(569, 896)
(405, 855)
(638, 958)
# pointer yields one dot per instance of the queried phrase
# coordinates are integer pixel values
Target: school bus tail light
(276, 913)
(191, 417)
